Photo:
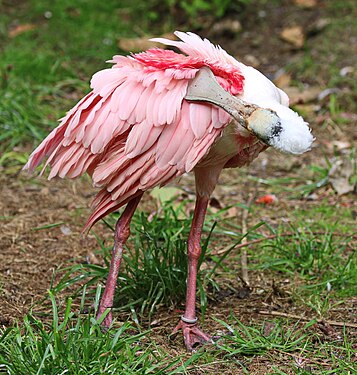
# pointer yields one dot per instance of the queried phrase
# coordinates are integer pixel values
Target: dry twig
(244, 260)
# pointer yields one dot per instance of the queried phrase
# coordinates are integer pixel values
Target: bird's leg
(122, 232)
(188, 324)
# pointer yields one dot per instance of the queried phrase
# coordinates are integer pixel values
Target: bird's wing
(134, 131)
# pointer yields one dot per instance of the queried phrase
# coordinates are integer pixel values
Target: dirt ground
(31, 256)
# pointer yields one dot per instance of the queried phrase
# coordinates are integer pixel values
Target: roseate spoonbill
(156, 115)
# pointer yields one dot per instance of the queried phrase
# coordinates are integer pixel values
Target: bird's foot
(192, 335)
(107, 321)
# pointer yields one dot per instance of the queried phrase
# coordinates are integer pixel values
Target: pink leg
(191, 333)
(122, 232)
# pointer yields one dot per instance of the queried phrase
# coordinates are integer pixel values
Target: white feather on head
(295, 135)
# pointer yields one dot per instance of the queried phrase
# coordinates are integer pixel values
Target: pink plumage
(135, 130)
(135, 125)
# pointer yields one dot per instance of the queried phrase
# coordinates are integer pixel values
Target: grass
(270, 336)
(42, 70)
(154, 267)
(323, 267)
(337, 56)
(303, 352)
(45, 69)
(319, 259)
(76, 344)
(73, 342)
(42, 73)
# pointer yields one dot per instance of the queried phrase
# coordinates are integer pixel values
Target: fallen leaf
(317, 26)
(20, 29)
(340, 145)
(267, 199)
(298, 96)
(294, 35)
(65, 230)
(227, 26)
(347, 70)
(306, 3)
(155, 322)
(327, 92)
(307, 110)
(165, 194)
(340, 174)
(91, 258)
(214, 202)
(204, 266)
(232, 211)
(312, 197)
(141, 44)
(282, 79)
(251, 60)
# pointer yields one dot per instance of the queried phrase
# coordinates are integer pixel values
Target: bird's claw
(192, 335)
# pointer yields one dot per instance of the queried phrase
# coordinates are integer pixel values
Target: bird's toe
(192, 335)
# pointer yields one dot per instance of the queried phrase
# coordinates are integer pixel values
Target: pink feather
(135, 130)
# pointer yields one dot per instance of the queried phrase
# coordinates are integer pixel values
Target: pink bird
(156, 115)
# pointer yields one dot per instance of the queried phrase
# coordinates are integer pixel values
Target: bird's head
(273, 121)
(265, 113)
(286, 131)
